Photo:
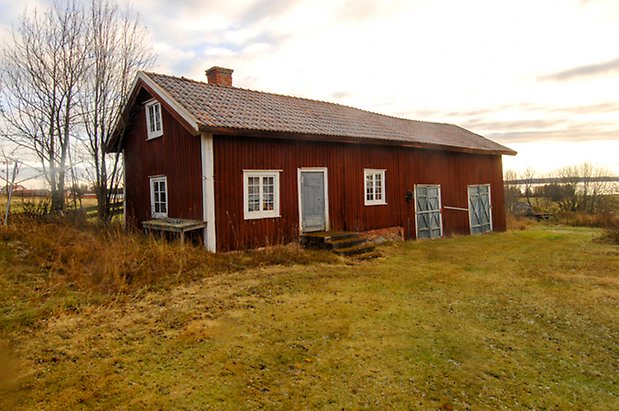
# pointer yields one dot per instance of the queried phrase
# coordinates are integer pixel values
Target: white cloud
(430, 60)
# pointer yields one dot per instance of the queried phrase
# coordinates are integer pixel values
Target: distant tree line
(584, 188)
(64, 79)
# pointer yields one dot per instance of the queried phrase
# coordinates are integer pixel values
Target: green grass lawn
(518, 320)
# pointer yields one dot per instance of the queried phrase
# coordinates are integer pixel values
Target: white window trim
(154, 179)
(254, 215)
(374, 171)
(156, 133)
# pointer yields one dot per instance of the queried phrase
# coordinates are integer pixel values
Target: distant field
(526, 319)
(18, 202)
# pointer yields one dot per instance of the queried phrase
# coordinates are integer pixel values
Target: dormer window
(154, 125)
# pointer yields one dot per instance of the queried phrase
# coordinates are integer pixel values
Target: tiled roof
(220, 107)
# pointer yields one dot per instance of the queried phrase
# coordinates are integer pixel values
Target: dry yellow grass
(524, 319)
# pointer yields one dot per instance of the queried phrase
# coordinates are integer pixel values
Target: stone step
(369, 255)
(322, 239)
(345, 242)
(355, 250)
(336, 236)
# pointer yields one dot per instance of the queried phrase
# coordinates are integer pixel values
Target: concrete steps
(346, 244)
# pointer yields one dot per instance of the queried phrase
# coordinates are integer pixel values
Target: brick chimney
(219, 76)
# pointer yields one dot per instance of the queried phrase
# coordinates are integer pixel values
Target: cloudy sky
(539, 76)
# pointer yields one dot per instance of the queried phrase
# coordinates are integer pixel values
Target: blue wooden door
(428, 211)
(313, 213)
(480, 210)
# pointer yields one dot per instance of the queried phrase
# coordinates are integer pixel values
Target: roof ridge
(216, 107)
(300, 98)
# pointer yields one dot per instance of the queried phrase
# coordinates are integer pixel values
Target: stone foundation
(385, 234)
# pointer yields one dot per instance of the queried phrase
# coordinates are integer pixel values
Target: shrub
(611, 236)
(36, 208)
(107, 259)
(518, 222)
(601, 220)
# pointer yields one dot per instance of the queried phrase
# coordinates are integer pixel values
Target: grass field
(527, 319)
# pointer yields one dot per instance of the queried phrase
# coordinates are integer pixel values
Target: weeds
(519, 222)
(608, 221)
(611, 236)
(66, 264)
(600, 220)
(518, 320)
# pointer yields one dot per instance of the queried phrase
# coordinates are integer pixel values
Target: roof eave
(351, 140)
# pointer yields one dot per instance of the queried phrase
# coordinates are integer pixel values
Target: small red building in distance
(262, 168)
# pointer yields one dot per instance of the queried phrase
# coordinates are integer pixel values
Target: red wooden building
(261, 168)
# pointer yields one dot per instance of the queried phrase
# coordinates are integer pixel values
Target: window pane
(267, 202)
(253, 191)
(157, 117)
(378, 186)
(253, 183)
(267, 182)
(267, 193)
(151, 119)
(253, 202)
(369, 183)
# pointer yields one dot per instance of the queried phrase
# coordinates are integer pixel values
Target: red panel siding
(176, 155)
(345, 163)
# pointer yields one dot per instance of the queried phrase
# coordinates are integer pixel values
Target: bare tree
(9, 175)
(42, 71)
(581, 188)
(528, 177)
(119, 49)
(512, 190)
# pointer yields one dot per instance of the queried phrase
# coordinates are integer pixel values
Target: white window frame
(253, 215)
(374, 200)
(153, 180)
(152, 130)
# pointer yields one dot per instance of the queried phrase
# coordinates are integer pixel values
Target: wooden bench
(542, 216)
(173, 225)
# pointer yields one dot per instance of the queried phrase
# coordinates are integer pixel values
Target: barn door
(480, 210)
(313, 200)
(428, 211)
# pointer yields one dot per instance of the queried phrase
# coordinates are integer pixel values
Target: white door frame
(440, 206)
(208, 191)
(325, 173)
